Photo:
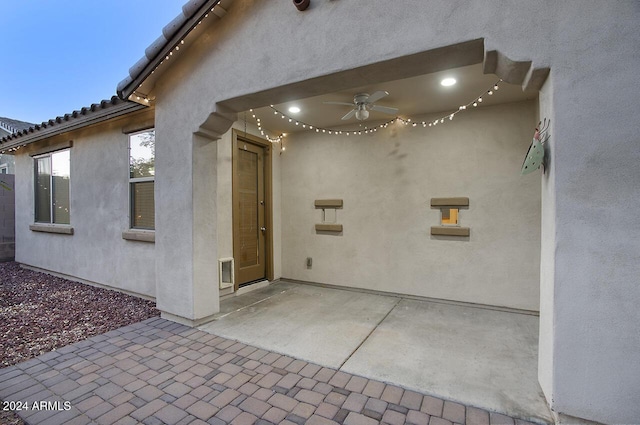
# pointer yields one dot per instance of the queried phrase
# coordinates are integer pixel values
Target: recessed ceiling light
(448, 82)
(294, 109)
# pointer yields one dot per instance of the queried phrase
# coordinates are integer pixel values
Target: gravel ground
(10, 418)
(40, 312)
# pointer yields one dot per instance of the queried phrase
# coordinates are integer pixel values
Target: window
(52, 175)
(4, 168)
(449, 217)
(142, 179)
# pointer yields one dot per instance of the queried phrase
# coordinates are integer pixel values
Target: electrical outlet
(309, 262)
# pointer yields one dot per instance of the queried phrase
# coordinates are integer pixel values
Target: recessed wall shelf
(328, 203)
(449, 217)
(329, 228)
(329, 215)
(449, 202)
(449, 231)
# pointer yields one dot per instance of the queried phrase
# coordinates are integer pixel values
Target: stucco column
(205, 253)
(590, 262)
(186, 234)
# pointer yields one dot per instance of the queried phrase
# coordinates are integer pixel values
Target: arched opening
(466, 325)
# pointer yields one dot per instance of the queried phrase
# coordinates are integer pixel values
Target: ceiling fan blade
(377, 96)
(384, 109)
(350, 114)
(338, 103)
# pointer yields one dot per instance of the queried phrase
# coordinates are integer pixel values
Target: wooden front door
(249, 214)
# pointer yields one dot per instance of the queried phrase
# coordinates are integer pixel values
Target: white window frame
(4, 168)
(137, 180)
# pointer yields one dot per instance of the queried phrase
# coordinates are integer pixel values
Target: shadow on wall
(7, 218)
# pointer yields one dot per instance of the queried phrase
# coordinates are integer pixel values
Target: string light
(176, 48)
(406, 121)
(274, 140)
(139, 97)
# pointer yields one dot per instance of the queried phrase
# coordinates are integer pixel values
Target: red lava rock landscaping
(40, 312)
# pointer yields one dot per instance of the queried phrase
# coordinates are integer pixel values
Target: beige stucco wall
(99, 196)
(590, 238)
(387, 180)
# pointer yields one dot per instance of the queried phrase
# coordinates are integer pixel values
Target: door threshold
(252, 286)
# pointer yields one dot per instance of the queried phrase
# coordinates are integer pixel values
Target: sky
(61, 55)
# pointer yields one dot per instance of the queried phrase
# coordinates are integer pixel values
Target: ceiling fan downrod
(301, 4)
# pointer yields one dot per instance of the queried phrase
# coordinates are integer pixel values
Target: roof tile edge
(179, 27)
(95, 113)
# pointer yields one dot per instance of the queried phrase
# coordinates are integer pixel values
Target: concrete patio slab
(313, 323)
(485, 358)
(476, 356)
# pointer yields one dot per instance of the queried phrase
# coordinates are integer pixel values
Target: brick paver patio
(160, 372)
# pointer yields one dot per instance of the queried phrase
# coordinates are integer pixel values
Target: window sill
(139, 235)
(61, 229)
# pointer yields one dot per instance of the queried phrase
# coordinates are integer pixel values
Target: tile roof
(192, 13)
(83, 117)
(9, 126)
(172, 33)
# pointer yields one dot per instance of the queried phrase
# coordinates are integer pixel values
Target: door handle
(264, 229)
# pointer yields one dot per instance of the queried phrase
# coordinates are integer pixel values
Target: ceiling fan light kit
(362, 103)
(362, 114)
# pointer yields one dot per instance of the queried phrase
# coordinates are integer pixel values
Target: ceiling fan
(363, 102)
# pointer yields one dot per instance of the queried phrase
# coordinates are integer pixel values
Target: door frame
(268, 194)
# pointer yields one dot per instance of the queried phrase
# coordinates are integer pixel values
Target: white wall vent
(225, 272)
